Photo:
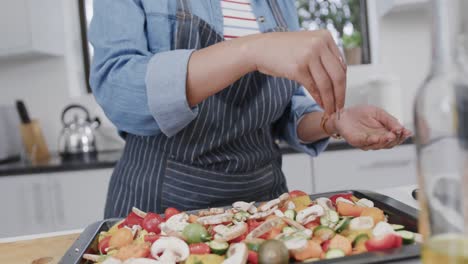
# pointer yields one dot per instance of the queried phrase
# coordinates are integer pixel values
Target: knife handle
(23, 112)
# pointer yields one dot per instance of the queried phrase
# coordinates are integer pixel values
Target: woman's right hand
(308, 57)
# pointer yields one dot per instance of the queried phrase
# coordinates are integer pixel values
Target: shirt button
(261, 19)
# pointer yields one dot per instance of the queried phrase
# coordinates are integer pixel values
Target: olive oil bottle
(441, 119)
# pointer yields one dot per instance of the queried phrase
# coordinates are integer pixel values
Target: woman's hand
(368, 127)
(308, 57)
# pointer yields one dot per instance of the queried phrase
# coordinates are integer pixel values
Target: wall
(405, 52)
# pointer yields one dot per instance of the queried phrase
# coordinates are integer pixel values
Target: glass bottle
(441, 119)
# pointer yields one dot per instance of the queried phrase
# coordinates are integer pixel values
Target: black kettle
(77, 139)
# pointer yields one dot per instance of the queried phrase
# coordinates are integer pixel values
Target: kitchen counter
(108, 159)
(49, 248)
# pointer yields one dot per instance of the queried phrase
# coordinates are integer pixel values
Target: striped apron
(228, 153)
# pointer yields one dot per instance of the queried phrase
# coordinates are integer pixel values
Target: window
(345, 19)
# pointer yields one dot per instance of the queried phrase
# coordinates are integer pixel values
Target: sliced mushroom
(344, 200)
(278, 213)
(296, 243)
(283, 199)
(242, 206)
(142, 261)
(224, 233)
(237, 254)
(290, 205)
(325, 203)
(268, 205)
(94, 258)
(260, 215)
(382, 228)
(138, 212)
(215, 219)
(309, 214)
(365, 202)
(361, 223)
(264, 227)
(173, 250)
(211, 211)
(293, 223)
(175, 225)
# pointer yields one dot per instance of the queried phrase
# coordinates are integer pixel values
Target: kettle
(77, 139)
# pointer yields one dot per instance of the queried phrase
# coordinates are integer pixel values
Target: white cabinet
(385, 7)
(31, 28)
(79, 197)
(371, 170)
(41, 203)
(297, 169)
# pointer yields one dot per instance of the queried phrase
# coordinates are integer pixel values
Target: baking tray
(398, 213)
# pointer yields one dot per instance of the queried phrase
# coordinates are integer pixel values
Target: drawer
(357, 169)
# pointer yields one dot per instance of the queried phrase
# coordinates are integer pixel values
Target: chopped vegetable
(342, 224)
(169, 212)
(342, 195)
(290, 213)
(340, 242)
(324, 232)
(200, 248)
(301, 202)
(121, 238)
(195, 233)
(151, 223)
(375, 213)
(361, 223)
(252, 258)
(297, 193)
(346, 209)
(218, 247)
(204, 259)
(273, 252)
(334, 253)
(312, 250)
(384, 242)
(103, 245)
(407, 236)
(398, 227)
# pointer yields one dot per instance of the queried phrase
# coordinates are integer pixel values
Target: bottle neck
(446, 29)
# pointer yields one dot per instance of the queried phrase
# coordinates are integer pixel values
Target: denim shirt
(140, 80)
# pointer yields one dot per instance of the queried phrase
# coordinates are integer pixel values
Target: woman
(200, 111)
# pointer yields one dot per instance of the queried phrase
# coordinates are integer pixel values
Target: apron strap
(275, 9)
(183, 6)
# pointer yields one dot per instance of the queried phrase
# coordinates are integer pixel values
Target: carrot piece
(375, 213)
(341, 242)
(347, 209)
(312, 250)
(192, 218)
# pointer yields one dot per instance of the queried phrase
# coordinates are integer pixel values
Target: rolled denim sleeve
(140, 91)
(300, 105)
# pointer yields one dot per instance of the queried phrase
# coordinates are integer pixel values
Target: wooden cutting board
(37, 251)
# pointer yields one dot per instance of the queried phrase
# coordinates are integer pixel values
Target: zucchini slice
(342, 224)
(324, 232)
(334, 253)
(408, 237)
(398, 227)
(291, 214)
(218, 247)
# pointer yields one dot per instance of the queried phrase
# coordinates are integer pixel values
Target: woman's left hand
(368, 127)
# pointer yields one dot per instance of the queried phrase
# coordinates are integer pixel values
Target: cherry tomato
(151, 223)
(296, 193)
(104, 245)
(384, 242)
(325, 245)
(343, 195)
(170, 211)
(131, 220)
(151, 238)
(199, 248)
(252, 258)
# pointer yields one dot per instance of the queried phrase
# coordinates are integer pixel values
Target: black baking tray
(398, 213)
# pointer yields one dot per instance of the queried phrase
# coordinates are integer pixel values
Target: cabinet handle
(39, 210)
(59, 206)
(387, 164)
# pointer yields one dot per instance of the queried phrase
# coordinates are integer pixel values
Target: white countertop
(402, 194)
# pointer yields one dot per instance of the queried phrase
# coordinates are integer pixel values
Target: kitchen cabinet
(42, 203)
(371, 170)
(298, 170)
(385, 7)
(31, 28)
